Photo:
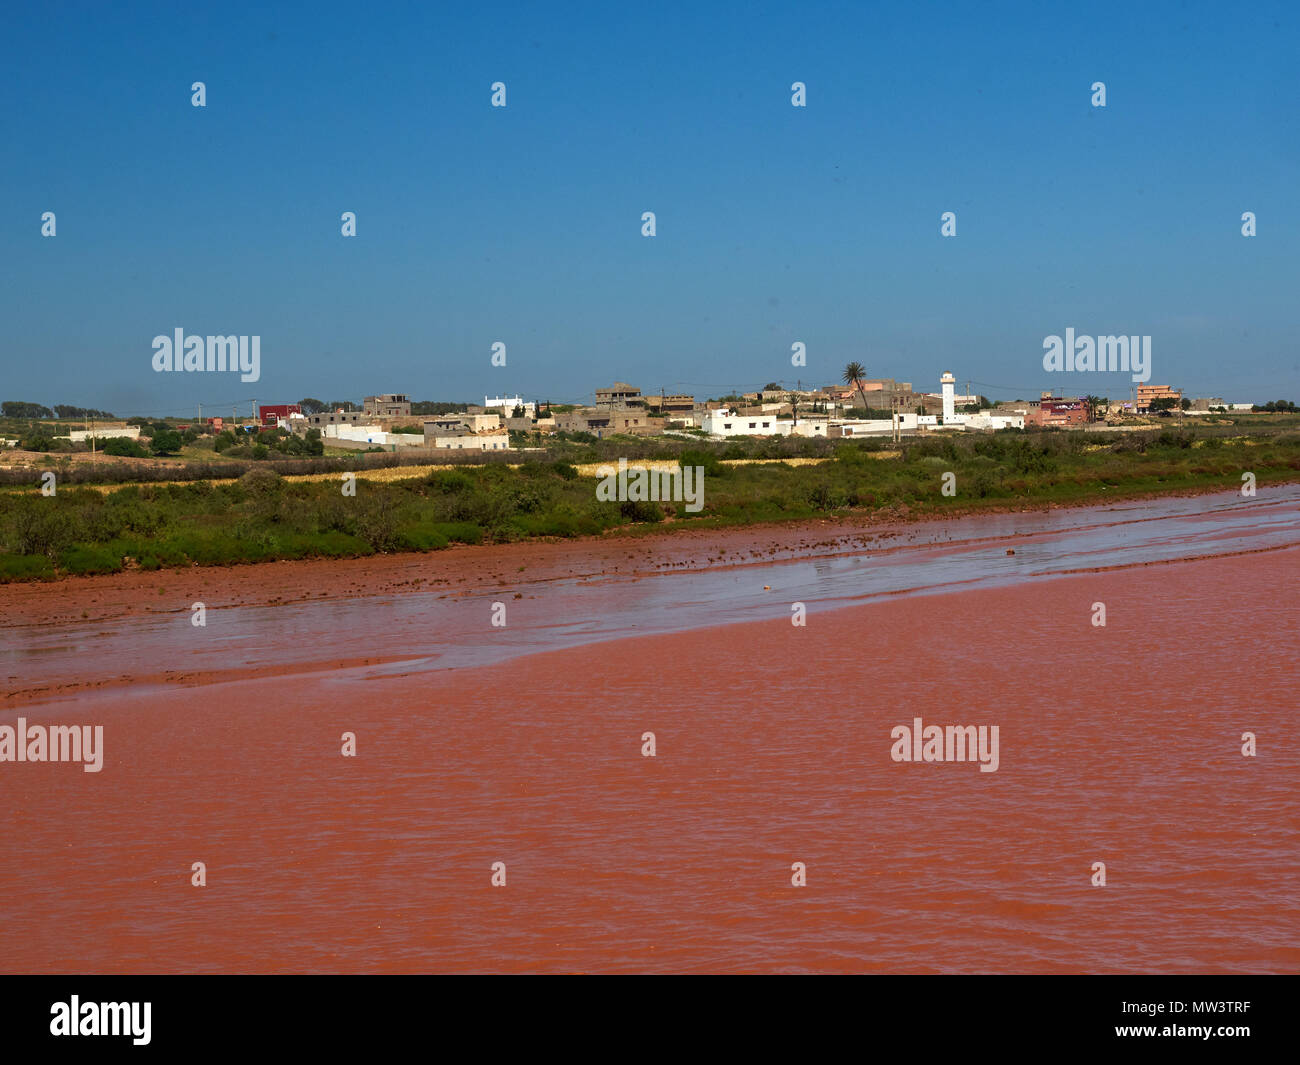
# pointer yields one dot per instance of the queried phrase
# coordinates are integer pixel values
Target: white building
(505, 405)
(809, 427)
(990, 420)
(983, 420)
(103, 432)
(877, 426)
(371, 434)
(724, 422)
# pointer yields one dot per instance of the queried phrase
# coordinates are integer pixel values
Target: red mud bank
(1118, 744)
(460, 568)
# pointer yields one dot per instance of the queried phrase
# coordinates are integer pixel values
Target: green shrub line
(262, 517)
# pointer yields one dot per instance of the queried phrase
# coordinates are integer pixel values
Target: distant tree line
(64, 411)
(1284, 406)
(14, 408)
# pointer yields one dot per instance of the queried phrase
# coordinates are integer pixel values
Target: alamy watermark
(1108, 354)
(75, 1017)
(677, 484)
(241, 355)
(53, 743)
(955, 743)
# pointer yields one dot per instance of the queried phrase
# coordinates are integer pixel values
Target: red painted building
(270, 415)
(1056, 411)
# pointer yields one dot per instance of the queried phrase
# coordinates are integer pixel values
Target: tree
(165, 442)
(37, 440)
(15, 408)
(1094, 404)
(343, 404)
(123, 447)
(1163, 403)
(311, 406)
(518, 412)
(65, 411)
(426, 407)
(853, 374)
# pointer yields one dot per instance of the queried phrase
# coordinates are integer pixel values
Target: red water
(1119, 745)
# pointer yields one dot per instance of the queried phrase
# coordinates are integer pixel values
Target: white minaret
(949, 384)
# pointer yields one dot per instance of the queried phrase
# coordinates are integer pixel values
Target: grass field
(263, 516)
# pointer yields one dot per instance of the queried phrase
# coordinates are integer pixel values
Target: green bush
(421, 538)
(122, 447)
(706, 459)
(166, 442)
(461, 532)
(261, 482)
(641, 510)
(449, 481)
(25, 568)
(83, 559)
(40, 527)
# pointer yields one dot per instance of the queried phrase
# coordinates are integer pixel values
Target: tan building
(448, 424)
(619, 394)
(469, 441)
(337, 417)
(1146, 394)
(390, 405)
(670, 405)
(602, 421)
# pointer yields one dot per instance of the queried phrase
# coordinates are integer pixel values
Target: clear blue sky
(523, 224)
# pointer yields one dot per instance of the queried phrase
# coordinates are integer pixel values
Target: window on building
(751, 425)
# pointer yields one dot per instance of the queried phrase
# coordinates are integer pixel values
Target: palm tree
(853, 374)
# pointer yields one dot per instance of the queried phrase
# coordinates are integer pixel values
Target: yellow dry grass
(585, 469)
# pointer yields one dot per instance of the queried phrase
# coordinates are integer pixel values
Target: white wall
(876, 426)
(809, 428)
(81, 436)
(720, 423)
(467, 442)
(371, 434)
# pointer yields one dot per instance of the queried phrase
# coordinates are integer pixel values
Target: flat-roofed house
(619, 394)
(389, 405)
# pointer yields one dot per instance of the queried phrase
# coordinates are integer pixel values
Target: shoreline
(458, 569)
